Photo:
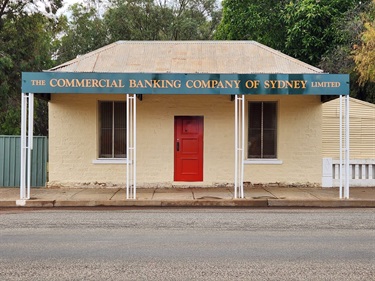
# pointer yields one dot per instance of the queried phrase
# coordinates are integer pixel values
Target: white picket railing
(362, 172)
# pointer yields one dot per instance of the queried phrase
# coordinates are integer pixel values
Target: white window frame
(264, 161)
(112, 160)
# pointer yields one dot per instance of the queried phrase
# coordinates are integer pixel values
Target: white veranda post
(27, 128)
(344, 148)
(131, 141)
(239, 143)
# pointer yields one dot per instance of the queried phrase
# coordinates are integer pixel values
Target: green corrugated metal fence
(10, 161)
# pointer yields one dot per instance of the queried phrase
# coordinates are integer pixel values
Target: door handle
(178, 146)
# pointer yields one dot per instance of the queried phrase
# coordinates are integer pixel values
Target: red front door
(188, 148)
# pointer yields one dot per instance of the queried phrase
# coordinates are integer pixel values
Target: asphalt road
(187, 244)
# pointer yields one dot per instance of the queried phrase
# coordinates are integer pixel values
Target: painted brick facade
(73, 121)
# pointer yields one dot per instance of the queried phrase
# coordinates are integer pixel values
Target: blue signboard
(180, 83)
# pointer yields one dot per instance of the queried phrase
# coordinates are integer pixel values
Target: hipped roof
(186, 57)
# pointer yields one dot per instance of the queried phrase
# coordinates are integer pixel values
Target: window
(262, 137)
(112, 138)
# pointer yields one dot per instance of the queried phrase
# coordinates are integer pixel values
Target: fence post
(327, 173)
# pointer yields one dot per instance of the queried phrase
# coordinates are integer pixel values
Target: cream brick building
(282, 130)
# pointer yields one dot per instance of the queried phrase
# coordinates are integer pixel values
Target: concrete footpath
(190, 197)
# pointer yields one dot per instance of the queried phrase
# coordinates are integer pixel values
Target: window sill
(111, 161)
(263, 162)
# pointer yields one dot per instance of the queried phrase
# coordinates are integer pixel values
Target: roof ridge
(184, 41)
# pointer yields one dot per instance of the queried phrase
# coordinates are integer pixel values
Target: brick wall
(74, 141)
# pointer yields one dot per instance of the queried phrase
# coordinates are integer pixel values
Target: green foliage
(88, 30)
(311, 28)
(304, 29)
(83, 33)
(150, 20)
(136, 20)
(258, 20)
(25, 45)
(364, 54)
(340, 59)
(10, 121)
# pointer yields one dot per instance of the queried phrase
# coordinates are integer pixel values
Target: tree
(340, 59)
(259, 20)
(311, 28)
(25, 36)
(162, 20)
(364, 54)
(304, 29)
(194, 20)
(88, 29)
(13, 8)
(82, 33)
(136, 20)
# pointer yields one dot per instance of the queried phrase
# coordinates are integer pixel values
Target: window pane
(262, 134)
(269, 115)
(269, 143)
(106, 143)
(120, 130)
(112, 129)
(105, 146)
(269, 130)
(120, 114)
(254, 134)
(255, 113)
(106, 115)
(120, 143)
(254, 143)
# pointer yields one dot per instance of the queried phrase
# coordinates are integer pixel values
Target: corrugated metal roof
(186, 57)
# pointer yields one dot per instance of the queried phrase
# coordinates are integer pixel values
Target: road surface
(187, 244)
